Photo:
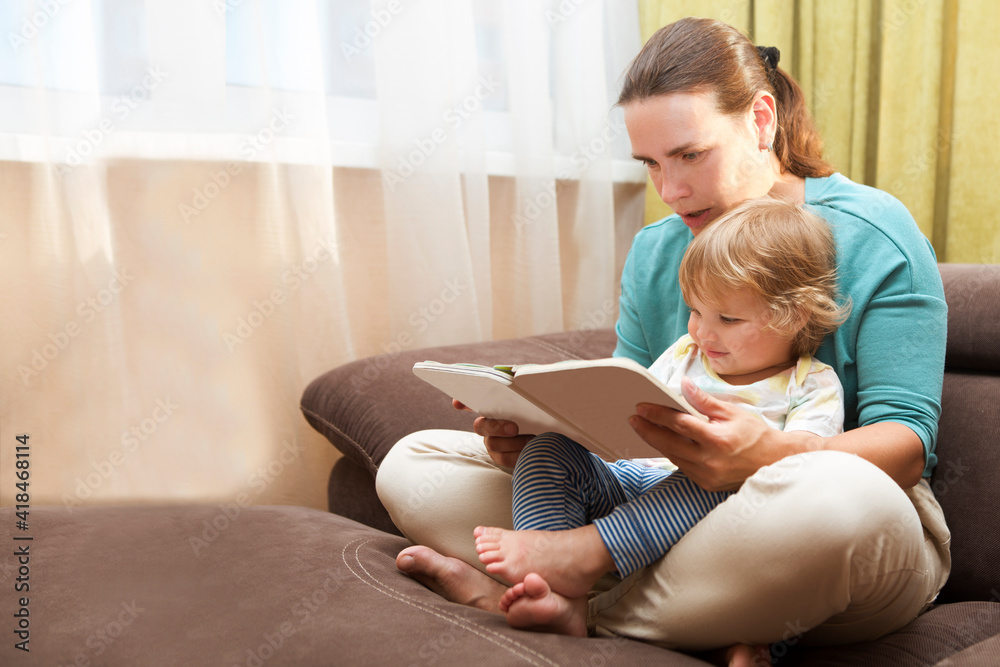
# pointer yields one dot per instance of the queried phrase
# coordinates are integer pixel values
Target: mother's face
(701, 161)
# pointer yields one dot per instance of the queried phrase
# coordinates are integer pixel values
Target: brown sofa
(255, 586)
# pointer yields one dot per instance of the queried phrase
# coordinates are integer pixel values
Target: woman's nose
(672, 189)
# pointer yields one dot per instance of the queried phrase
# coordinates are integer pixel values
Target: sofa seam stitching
(446, 616)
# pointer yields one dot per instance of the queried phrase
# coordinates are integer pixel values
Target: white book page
(598, 397)
(489, 392)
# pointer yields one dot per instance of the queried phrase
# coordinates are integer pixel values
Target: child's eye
(728, 320)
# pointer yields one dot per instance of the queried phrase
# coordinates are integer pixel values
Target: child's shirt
(806, 397)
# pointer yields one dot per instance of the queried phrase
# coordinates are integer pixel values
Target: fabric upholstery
(351, 493)
(966, 478)
(947, 634)
(276, 586)
(966, 482)
(973, 295)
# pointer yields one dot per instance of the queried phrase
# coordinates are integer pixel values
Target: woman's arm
(721, 454)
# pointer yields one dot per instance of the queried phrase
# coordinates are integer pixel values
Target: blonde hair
(783, 254)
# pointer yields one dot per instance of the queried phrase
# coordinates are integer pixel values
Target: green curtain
(905, 94)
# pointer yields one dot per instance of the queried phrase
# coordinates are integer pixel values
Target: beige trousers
(818, 548)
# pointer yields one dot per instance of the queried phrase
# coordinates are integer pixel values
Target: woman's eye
(690, 157)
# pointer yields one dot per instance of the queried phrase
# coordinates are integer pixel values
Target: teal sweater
(889, 354)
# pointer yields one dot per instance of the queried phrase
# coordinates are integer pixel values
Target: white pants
(818, 548)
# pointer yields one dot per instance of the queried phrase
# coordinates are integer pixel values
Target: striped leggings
(640, 512)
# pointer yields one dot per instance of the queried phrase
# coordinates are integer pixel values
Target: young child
(761, 285)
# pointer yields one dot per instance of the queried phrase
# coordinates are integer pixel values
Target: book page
(488, 392)
(597, 397)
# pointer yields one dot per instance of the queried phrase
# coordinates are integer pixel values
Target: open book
(589, 401)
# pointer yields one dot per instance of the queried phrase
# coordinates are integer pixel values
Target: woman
(827, 540)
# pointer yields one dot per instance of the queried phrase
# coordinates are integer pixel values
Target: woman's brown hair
(696, 54)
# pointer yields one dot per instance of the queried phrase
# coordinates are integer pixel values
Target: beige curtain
(904, 93)
(206, 205)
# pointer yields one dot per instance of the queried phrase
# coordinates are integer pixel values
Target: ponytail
(797, 143)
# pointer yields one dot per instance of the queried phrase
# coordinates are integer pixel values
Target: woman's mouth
(696, 219)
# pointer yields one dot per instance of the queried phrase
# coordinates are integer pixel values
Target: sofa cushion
(965, 482)
(952, 634)
(973, 295)
(263, 586)
(351, 492)
(363, 408)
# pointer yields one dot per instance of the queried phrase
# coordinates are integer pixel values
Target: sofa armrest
(363, 408)
(965, 479)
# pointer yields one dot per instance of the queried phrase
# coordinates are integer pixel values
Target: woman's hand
(720, 454)
(501, 437)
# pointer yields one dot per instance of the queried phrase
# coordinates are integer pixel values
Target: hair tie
(770, 55)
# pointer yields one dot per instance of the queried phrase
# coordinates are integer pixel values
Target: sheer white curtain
(208, 203)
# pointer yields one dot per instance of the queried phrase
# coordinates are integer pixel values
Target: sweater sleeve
(631, 338)
(900, 358)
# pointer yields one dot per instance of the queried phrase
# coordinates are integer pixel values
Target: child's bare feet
(570, 561)
(533, 605)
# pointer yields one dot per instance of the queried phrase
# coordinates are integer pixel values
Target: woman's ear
(765, 118)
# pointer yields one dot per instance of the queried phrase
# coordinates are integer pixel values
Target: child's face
(734, 338)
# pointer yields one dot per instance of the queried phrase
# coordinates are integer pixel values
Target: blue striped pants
(639, 512)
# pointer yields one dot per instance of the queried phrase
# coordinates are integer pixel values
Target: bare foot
(533, 605)
(570, 561)
(745, 655)
(451, 578)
